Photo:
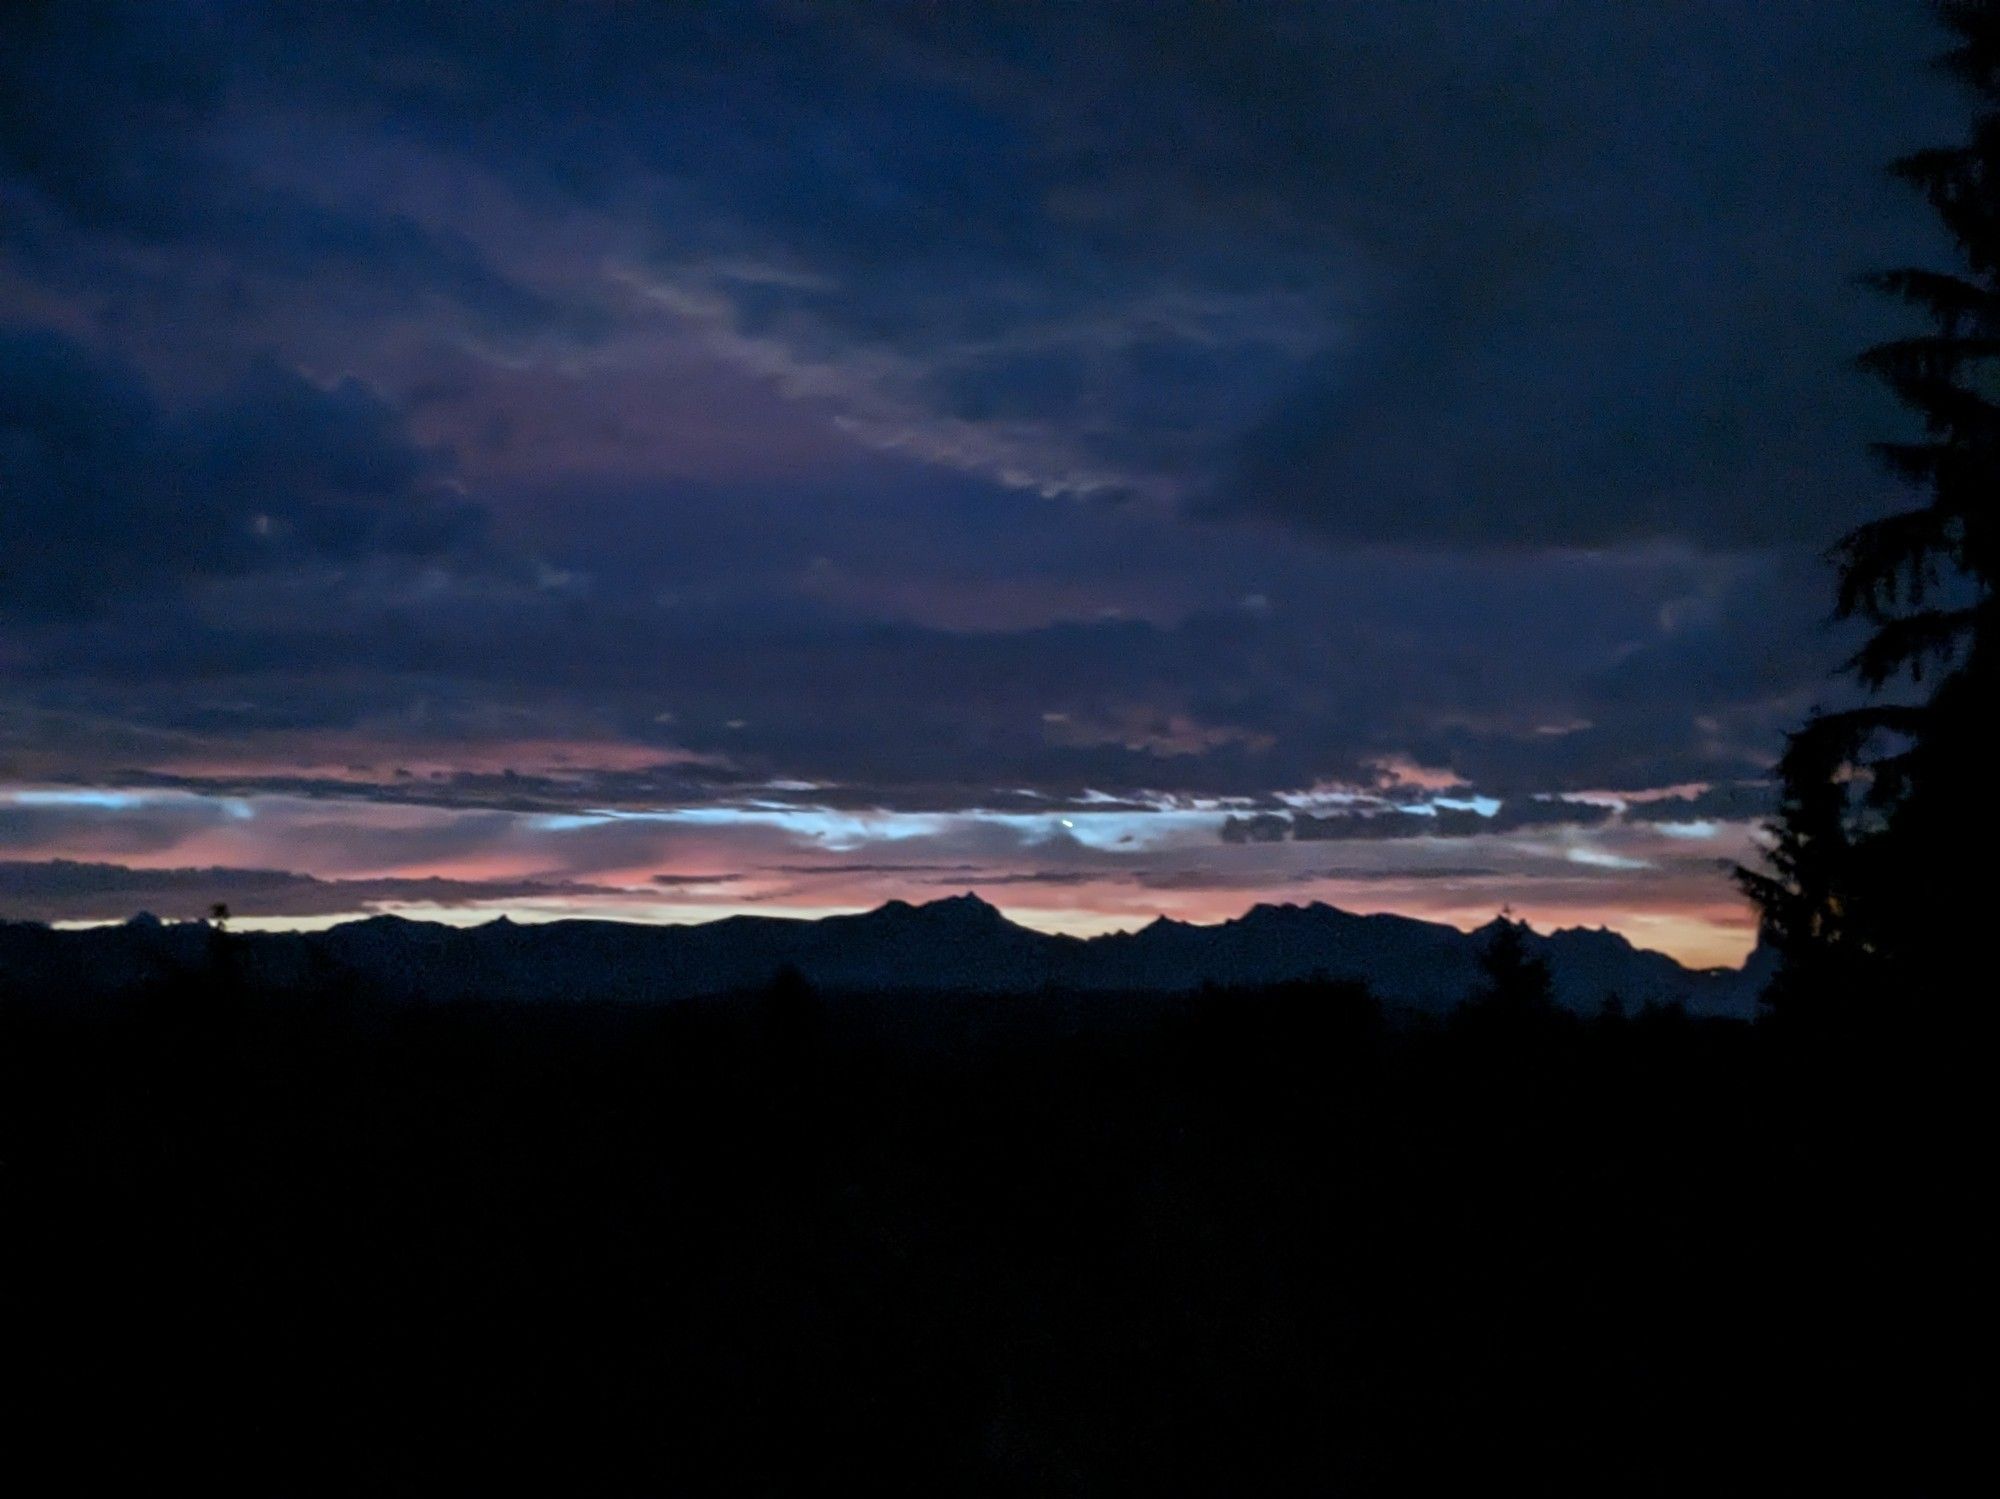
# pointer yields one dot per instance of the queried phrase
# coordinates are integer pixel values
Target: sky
(670, 461)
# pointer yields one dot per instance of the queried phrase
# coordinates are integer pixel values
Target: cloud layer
(786, 410)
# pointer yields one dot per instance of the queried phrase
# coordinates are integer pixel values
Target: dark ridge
(959, 942)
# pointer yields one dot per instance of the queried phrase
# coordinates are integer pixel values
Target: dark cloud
(1544, 677)
(123, 135)
(1260, 827)
(69, 890)
(1425, 872)
(1432, 272)
(1744, 802)
(112, 828)
(109, 497)
(1195, 879)
(870, 868)
(1389, 824)
(1030, 877)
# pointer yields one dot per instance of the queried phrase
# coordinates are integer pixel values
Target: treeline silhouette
(1251, 1241)
(1875, 882)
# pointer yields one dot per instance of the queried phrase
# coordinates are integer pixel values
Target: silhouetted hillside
(314, 1238)
(960, 943)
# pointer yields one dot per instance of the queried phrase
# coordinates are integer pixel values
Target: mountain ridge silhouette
(959, 943)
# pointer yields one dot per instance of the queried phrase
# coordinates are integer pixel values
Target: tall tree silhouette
(1517, 984)
(1868, 879)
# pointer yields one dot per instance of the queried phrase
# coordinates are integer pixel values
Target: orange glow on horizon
(1715, 935)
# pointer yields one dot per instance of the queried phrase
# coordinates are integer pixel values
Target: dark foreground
(1249, 1243)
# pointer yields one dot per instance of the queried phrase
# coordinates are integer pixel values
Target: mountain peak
(1275, 911)
(968, 906)
(964, 909)
(956, 943)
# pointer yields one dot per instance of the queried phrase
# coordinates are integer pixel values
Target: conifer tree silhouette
(1866, 881)
(1517, 983)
